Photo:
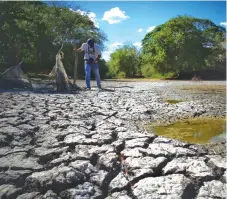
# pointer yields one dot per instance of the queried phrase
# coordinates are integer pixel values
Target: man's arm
(81, 49)
(97, 58)
(77, 50)
(99, 54)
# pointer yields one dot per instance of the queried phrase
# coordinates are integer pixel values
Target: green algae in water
(199, 131)
(174, 101)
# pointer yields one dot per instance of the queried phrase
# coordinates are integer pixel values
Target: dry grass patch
(205, 88)
(136, 80)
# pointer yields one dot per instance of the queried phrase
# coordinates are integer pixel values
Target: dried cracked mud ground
(90, 145)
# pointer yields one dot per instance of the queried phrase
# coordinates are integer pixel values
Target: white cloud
(114, 16)
(72, 10)
(93, 18)
(116, 44)
(140, 30)
(150, 28)
(223, 24)
(106, 55)
(138, 44)
(91, 15)
(111, 48)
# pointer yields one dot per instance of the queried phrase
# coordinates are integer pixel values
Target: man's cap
(91, 42)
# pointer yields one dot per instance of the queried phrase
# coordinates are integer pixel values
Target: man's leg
(97, 75)
(87, 74)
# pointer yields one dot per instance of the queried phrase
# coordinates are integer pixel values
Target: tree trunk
(75, 66)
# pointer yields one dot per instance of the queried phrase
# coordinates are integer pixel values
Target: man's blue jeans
(95, 68)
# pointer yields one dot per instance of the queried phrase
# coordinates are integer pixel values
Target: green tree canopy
(124, 61)
(184, 43)
(33, 32)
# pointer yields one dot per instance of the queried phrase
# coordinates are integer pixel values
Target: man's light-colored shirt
(90, 52)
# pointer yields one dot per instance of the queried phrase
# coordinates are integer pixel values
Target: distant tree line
(33, 32)
(181, 47)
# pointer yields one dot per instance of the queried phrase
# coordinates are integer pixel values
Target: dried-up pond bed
(88, 145)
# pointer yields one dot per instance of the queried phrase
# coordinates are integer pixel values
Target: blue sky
(129, 21)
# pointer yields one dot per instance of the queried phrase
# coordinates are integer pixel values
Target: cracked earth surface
(90, 145)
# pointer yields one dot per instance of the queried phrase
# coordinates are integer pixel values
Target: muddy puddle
(173, 101)
(198, 131)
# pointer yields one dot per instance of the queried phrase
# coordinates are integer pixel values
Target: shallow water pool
(199, 131)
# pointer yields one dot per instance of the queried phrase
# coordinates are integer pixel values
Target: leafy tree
(183, 44)
(103, 68)
(33, 32)
(124, 61)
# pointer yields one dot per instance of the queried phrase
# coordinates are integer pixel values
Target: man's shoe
(86, 88)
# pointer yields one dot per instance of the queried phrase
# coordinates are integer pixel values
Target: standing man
(92, 54)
